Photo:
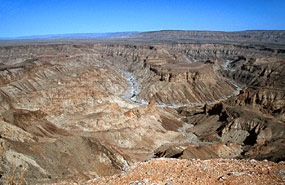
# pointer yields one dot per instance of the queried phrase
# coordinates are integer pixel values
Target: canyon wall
(80, 111)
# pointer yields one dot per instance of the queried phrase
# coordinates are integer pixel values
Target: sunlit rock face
(79, 111)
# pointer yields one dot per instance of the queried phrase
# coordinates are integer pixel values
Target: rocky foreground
(74, 111)
(215, 171)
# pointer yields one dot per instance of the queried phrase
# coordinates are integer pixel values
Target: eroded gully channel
(134, 90)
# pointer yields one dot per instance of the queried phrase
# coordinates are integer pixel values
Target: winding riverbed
(134, 90)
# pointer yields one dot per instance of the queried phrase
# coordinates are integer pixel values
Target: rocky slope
(218, 171)
(78, 111)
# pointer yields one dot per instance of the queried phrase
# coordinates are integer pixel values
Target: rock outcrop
(81, 110)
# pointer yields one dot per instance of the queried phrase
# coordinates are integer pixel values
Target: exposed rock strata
(64, 113)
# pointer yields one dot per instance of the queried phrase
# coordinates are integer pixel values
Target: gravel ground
(215, 171)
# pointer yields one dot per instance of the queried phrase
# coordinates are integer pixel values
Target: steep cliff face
(267, 100)
(86, 103)
(264, 79)
(237, 131)
(250, 118)
(186, 84)
(182, 73)
(59, 104)
(265, 72)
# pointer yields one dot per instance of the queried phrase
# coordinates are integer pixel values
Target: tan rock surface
(86, 109)
(215, 171)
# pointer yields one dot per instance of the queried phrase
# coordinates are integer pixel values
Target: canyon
(79, 109)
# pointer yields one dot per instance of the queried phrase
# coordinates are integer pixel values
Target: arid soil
(79, 110)
(195, 171)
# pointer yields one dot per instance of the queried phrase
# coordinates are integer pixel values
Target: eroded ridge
(76, 111)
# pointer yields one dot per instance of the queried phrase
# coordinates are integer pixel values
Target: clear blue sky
(41, 17)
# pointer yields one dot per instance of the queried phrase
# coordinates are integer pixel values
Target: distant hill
(250, 36)
(263, 37)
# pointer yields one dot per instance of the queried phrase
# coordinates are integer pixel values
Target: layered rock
(185, 84)
(66, 113)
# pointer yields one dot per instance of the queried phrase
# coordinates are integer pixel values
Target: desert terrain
(89, 110)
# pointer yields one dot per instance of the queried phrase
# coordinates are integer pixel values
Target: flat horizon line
(101, 34)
